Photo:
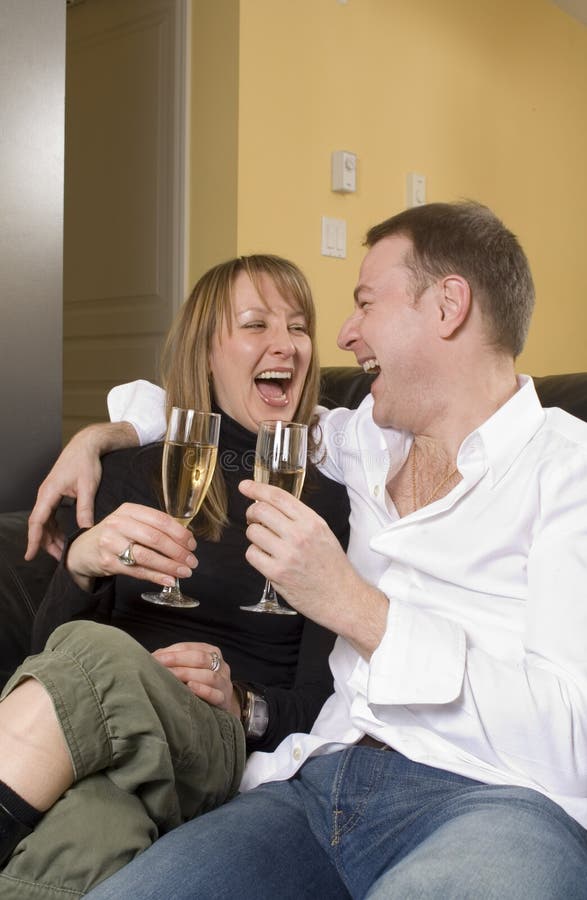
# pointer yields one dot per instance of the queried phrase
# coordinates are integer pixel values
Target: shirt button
(376, 490)
(297, 754)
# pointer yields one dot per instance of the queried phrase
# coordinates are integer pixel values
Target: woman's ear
(454, 304)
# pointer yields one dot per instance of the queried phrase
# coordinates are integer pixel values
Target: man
(451, 760)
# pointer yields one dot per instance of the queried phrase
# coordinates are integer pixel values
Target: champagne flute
(280, 459)
(189, 458)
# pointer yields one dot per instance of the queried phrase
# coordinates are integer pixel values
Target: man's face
(391, 334)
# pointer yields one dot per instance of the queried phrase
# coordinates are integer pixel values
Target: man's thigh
(493, 842)
(256, 846)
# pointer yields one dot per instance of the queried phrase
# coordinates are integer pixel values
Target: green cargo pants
(147, 755)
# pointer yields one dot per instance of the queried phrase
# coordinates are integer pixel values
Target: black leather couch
(22, 584)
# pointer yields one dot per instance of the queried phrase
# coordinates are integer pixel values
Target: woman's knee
(105, 643)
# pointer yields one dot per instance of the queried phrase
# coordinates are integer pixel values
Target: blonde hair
(185, 364)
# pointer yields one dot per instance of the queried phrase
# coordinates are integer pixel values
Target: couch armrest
(22, 587)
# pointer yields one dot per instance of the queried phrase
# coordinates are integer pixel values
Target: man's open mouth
(272, 385)
(371, 366)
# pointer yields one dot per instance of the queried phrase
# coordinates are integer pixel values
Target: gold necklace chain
(434, 493)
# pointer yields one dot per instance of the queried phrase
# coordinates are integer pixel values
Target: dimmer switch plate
(344, 172)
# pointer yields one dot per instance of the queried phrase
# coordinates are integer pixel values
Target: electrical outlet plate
(415, 189)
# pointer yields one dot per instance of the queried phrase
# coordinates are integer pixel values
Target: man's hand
(192, 664)
(76, 474)
(294, 547)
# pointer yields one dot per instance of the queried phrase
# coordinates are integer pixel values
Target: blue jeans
(366, 823)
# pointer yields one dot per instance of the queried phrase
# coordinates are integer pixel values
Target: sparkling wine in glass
(280, 460)
(189, 458)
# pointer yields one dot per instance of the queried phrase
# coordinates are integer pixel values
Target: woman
(96, 720)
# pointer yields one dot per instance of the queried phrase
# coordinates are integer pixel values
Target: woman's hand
(162, 549)
(202, 669)
(76, 473)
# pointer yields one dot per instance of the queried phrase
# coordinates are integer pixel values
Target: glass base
(270, 606)
(170, 599)
(269, 603)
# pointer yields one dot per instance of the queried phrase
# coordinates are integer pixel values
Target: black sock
(18, 807)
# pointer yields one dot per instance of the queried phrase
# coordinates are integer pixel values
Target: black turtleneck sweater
(285, 658)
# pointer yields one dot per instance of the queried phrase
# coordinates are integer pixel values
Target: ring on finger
(126, 557)
(215, 661)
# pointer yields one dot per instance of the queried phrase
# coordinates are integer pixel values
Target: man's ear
(454, 303)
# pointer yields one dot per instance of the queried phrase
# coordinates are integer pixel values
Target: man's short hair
(467, 239)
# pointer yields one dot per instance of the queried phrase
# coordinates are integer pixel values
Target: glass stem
(172, 590)
(269, 595)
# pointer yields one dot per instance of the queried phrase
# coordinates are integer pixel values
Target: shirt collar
(503, 436)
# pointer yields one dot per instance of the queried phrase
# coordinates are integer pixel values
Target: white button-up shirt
(482, 669)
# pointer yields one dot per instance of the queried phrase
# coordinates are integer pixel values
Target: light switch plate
(333, 237)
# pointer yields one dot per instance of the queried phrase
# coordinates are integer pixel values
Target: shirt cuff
(421, 659)
(142, 404)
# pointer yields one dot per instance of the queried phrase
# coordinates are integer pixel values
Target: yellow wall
(213, 144)
(487, 99)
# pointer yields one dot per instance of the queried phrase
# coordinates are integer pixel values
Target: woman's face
(259, 370)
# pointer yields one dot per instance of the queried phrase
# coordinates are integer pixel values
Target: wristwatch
(254, 712)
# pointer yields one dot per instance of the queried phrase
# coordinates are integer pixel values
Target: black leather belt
(368, 741)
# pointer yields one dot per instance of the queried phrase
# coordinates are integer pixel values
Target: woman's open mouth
(272, 385)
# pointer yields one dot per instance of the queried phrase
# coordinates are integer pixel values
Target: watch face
(258, 715)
